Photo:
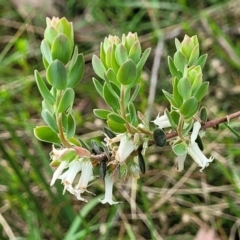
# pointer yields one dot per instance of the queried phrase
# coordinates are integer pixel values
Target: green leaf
(112, 77)
(189, 107)
(180, 61)
(201, 92)
(76, 72)
(73, 59)
(179, 149)
(170, 98)
(57, 75)
(176, 95)
(61, 48)
(71, 128)
(127, 72)
(133, 114)
(98, 66)
(49, 34)
(110, 99)
(116, 91)
(143, 59)
(66, 100)
(49, 120)
(194, 56)
(185, 88)
(135, 93)
(202, 60)
(197, 83)
(121, 54)
(177, 44)
(43, 88)
(101, 113)
(116, 127)
(135, 52)
(46, 105)
(46, 134)
(46, 51)
(173, 123)
(173, 70)
(116, 118)
(98, 86)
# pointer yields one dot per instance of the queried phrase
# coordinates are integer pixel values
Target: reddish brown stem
(211, 123)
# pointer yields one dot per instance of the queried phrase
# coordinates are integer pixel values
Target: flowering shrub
(128, 135)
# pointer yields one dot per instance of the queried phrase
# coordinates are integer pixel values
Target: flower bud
(190, 48)
(60, 38)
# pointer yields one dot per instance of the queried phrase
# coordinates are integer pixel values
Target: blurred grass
(163, 204)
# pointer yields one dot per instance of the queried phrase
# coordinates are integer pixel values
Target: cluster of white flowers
(192, 149)
(68, 171)
(76, 173)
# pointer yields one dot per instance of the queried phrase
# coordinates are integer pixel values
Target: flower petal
(180, 160)
(196, 129)
(108, 191)
(58, 172)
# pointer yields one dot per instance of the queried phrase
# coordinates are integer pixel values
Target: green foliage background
(163, 204)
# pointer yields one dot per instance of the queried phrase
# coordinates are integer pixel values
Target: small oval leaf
(67, 100)
(61, 48)
(57, 75)
(46, 94)
(98, 66)
(127, 72)
(46, 134)
(189, 107)
(101, 113)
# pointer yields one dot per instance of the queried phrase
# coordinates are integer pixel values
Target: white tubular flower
(162, 122)
(194, 151)
(69, 175)
(85, 176)
(197, 155)
(180, 160)
(126, 147)
(58, 172)
(108, 191)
